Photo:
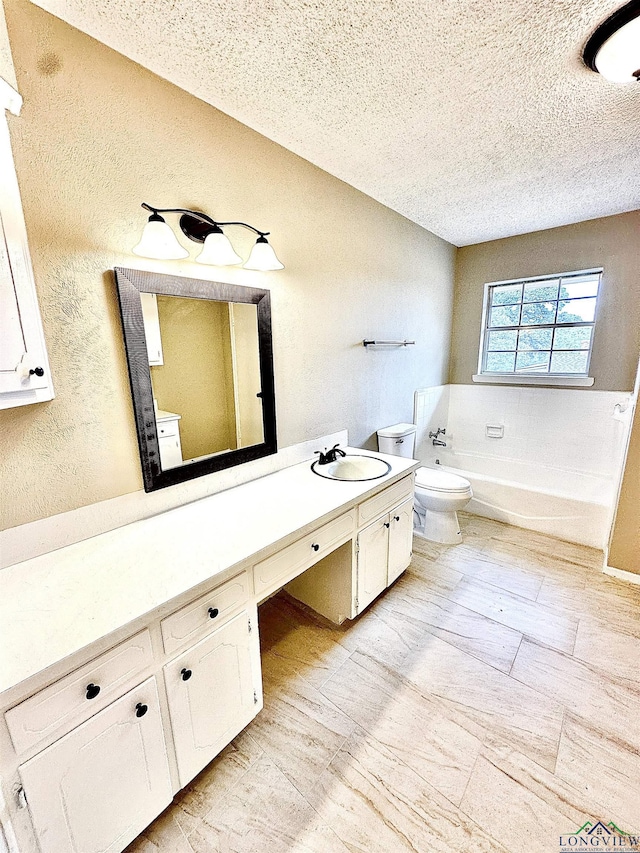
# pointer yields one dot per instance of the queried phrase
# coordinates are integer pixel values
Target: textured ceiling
(474, 118)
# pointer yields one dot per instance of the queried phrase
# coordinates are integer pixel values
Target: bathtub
(567, 504)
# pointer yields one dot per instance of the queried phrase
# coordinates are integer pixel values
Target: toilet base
(439, 527)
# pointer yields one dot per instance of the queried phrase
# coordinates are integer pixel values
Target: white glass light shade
(218, 251)
(263, 257)
(619, 57)
(158, 241)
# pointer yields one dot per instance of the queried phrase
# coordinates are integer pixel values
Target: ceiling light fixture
(158, 241)
(614, 48)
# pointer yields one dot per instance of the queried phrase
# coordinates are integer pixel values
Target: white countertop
(59, 603)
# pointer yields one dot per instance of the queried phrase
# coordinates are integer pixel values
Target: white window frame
(520, 378)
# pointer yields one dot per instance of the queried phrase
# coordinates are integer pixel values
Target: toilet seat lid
(441, 481)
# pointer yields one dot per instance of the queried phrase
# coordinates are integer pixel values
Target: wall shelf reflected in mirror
(200, 364)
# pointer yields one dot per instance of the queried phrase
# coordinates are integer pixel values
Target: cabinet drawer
(205, 614)
(78, 695)
(384, 500)
(274, 572)
(168, 428)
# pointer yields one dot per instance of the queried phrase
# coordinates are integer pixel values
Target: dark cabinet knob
(186, 674)
(37, 370)
(92, 691)
(141, 709)
(315, 546)
(396, 518)
(387, 524)
(213, 612)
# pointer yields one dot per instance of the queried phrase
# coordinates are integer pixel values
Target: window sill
(514, 379)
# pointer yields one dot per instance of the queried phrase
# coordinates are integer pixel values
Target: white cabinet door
(373, 544)
(170, 451)
(214, 691)
(151, 320)
(97, 788)
(400, 539)
(24, 367)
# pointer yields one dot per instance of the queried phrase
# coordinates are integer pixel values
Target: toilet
(438, 494)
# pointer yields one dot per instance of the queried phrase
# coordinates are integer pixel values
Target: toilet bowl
(439, 496)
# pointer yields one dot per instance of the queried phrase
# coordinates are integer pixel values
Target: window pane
(577, 311)
(533, 362)
(506, 295)
(538, 313)
(576, 338)
(569, 362)
(538, 291)
(574, 287)
(502, 340)
(500, 362)
(506, 315)
(535, 339)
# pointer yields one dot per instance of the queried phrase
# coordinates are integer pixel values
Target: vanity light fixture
(614, 48)
(158, 241)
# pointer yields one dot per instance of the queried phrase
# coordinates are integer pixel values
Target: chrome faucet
(436, 441)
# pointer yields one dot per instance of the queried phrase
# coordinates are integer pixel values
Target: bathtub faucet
(434, 435)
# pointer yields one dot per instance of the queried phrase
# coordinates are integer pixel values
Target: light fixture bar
(159, 242)
(203, 217)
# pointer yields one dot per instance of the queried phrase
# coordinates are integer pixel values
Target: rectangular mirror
(201, 371)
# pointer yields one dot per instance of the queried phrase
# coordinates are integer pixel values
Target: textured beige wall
(624, 551)
(196, 379)
(97, 136)
(611, 243)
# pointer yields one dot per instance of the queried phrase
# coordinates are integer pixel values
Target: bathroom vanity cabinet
(96, 744)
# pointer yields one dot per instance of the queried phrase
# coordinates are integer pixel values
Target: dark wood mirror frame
(130, 284)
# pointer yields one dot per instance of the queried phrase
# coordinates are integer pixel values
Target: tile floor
(488, 701)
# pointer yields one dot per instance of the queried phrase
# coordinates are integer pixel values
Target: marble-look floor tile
(593, 601)
(218, 778)
(570, 552)
(311, 644)
(164, 835)
(375, 803)
(264, 812)
(603, 701)
(549, 625)
(611, 648)
(607, 769)
(440, 578)
(424, 548)
(465, 629)
(491, 699)
(298, 729)
(543, 565)
(412, 726)
(524, 806)
(380, 633)
(484, 567)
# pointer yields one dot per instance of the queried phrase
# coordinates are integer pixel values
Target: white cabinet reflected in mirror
(201, 373)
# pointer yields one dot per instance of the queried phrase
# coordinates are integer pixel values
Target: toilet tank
(397, 440)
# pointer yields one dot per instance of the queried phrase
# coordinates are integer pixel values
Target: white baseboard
(630, 577)
(48, 534)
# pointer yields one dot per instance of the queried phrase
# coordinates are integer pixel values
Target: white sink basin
(352, 467)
